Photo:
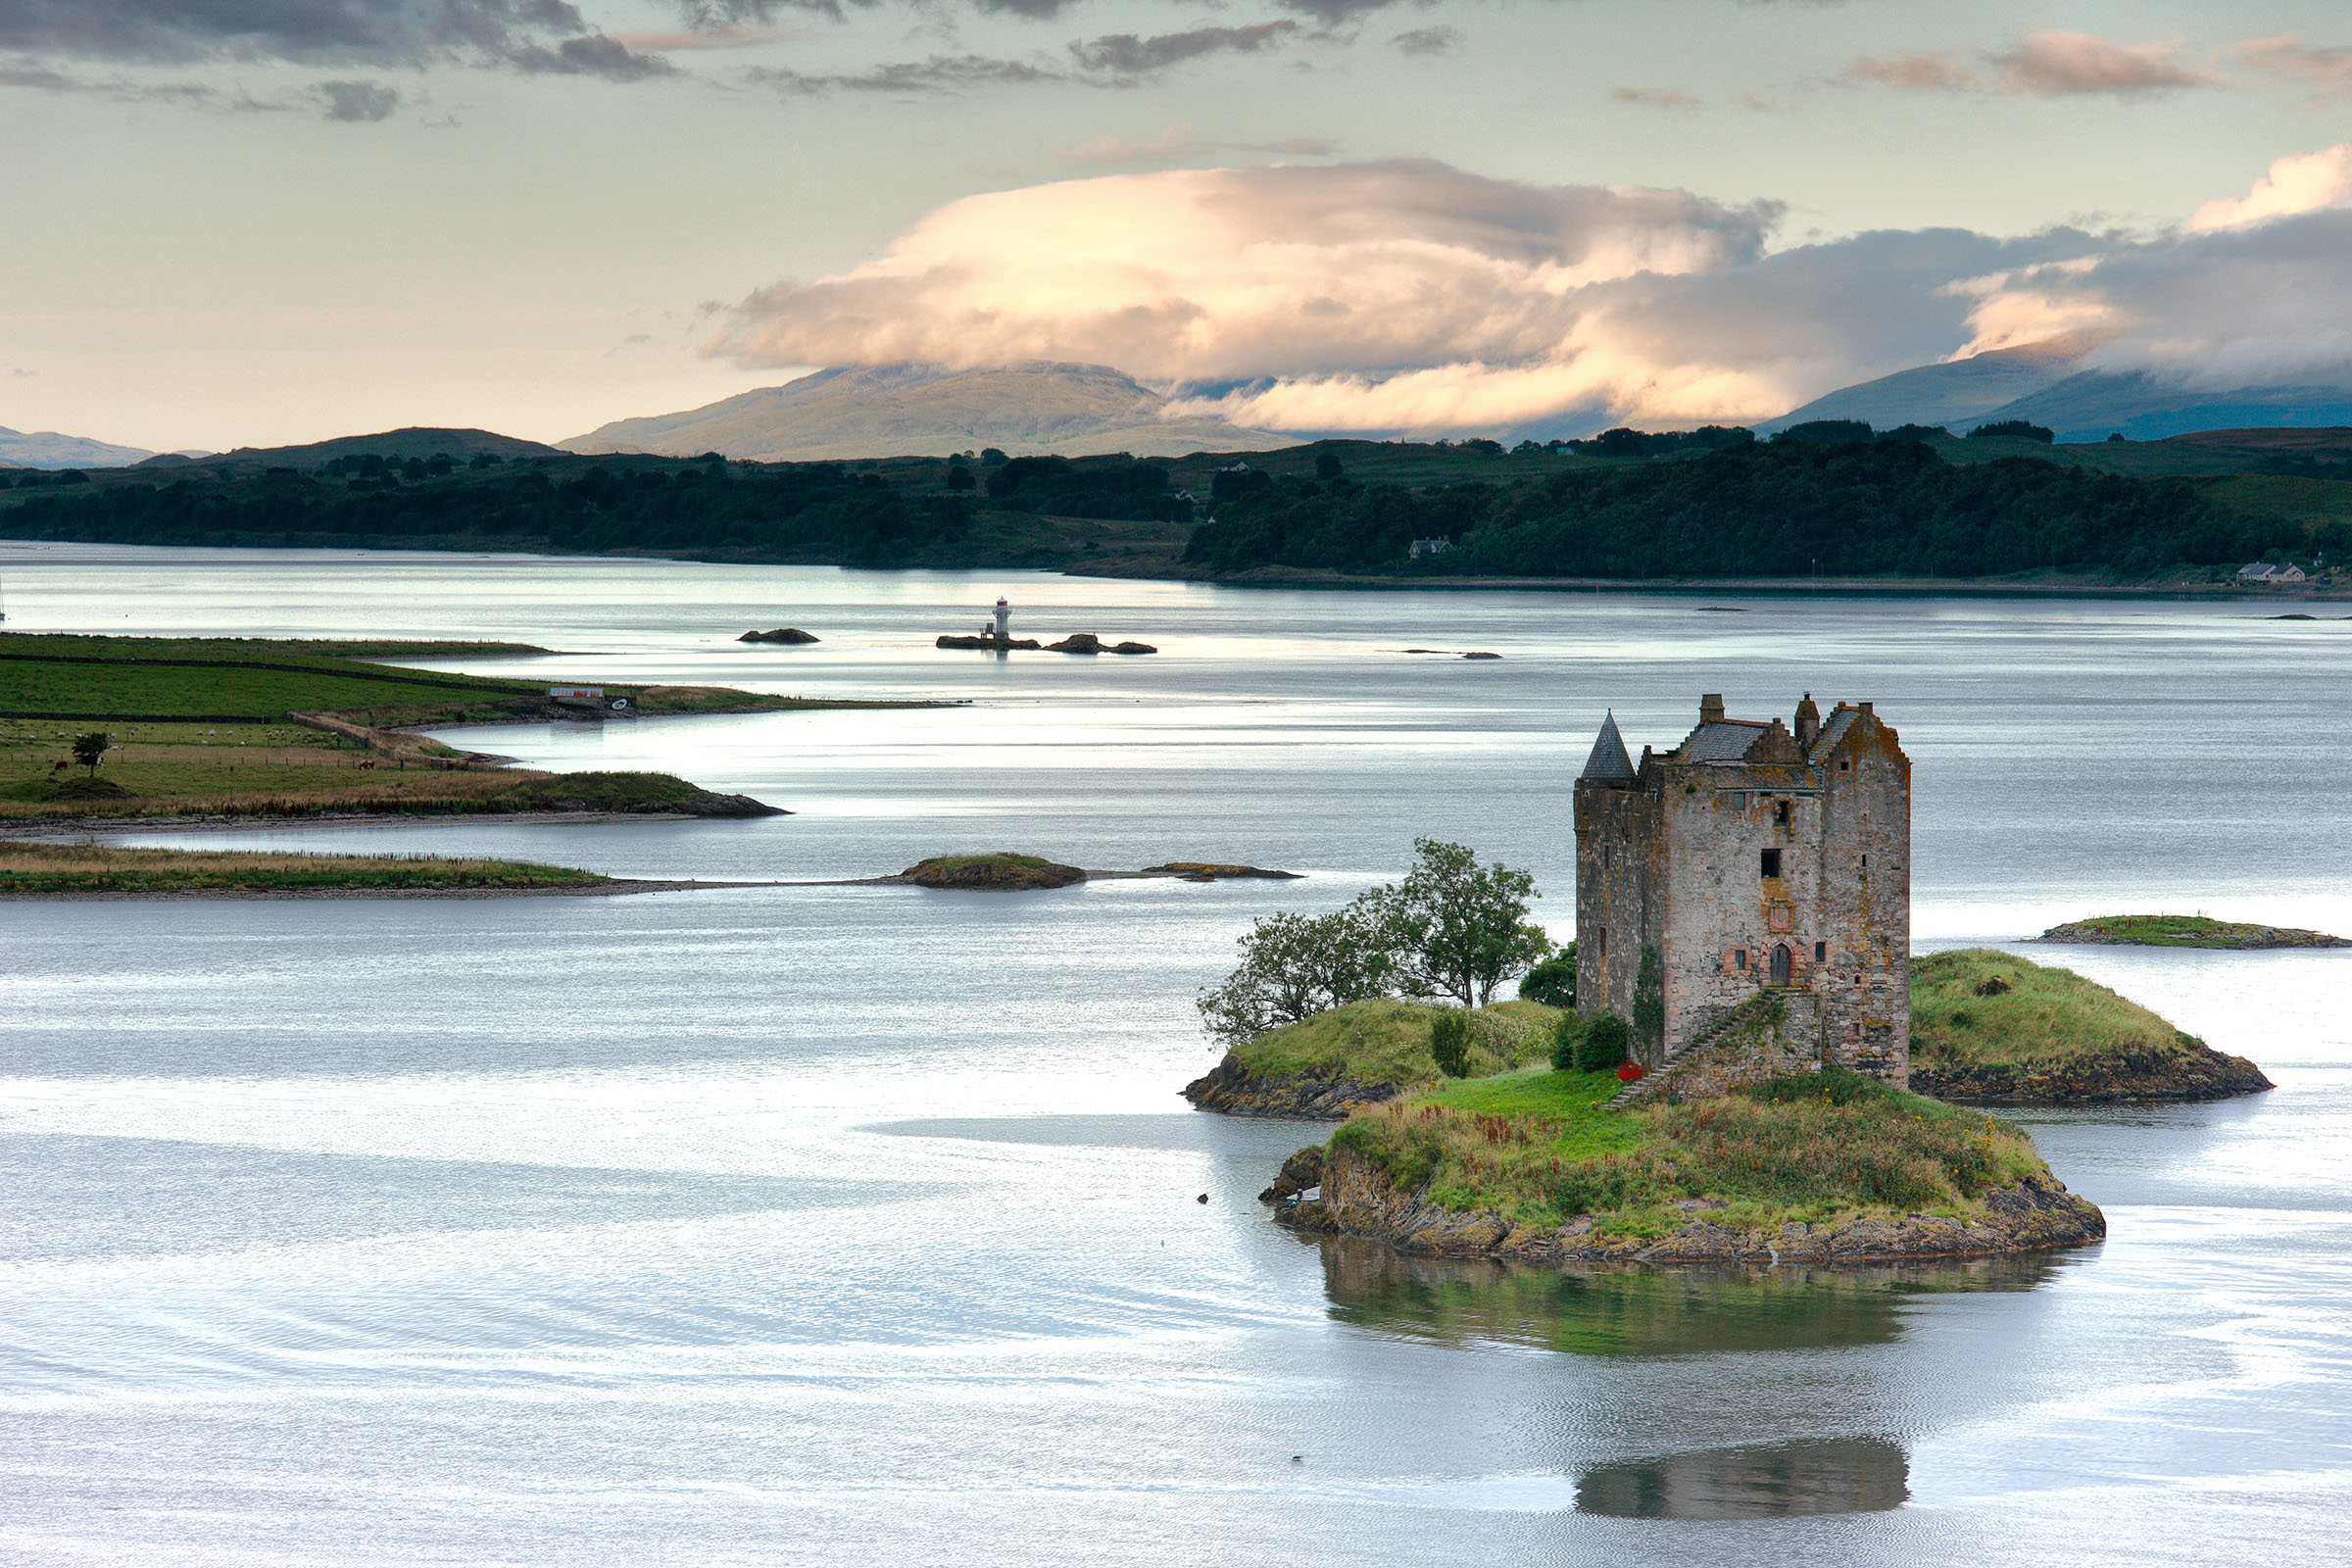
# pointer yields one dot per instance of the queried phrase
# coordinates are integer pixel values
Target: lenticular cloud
(1413, 297)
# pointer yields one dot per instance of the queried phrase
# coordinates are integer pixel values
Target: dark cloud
(1655, 97)
(1427, 41)
(939, 74)
(1124, 56)
(596, 56)
(385, 31)
(358, 101)
(1114, 60)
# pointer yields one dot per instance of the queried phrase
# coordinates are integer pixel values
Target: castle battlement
(1753, 856)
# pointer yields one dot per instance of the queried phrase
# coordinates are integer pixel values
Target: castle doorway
(1780, 965)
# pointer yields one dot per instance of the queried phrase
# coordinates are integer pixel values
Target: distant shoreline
(607, 886)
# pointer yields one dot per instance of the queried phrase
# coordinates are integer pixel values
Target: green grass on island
(1386, 1041)
(49, 868)
(1540, 1148)
(2185, 931)
(1979, 1007)
(207, 726)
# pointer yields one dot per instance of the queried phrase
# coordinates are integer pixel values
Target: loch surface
(832, 1225)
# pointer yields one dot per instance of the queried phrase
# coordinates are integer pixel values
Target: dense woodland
(1832, 501)
(1786, 508)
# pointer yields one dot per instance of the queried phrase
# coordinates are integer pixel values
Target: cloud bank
(1410, 296)
(2045, 63)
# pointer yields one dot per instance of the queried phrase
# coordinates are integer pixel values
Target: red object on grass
(1629, 1072)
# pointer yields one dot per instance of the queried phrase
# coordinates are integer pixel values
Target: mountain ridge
(1034, 409)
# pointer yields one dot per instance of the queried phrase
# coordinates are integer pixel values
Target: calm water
(843, 1225)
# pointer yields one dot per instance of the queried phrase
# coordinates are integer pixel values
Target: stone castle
(1746, 897)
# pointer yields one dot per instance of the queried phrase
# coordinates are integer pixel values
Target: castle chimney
(1710, 709)
(1808, 722)
(1868, 713)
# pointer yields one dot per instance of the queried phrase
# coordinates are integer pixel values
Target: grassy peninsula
(250, 728)
(1364, 1052)
(47, 869)
(1992, 1027)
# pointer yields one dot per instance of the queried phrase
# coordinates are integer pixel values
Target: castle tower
(1752, 858)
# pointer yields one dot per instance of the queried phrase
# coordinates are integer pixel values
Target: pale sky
(254, 221)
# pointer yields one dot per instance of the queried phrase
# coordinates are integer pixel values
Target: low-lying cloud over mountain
(1411, 296)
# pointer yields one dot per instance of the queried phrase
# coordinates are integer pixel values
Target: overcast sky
(252, 221)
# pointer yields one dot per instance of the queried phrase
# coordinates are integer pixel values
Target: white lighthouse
(1003, 622)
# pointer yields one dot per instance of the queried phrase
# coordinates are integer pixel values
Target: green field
(28, 868)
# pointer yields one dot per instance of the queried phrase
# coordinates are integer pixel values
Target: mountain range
(925, 410)
(2046, 384)
(47, 449)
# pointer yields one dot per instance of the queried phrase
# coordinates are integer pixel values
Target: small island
(46, 871)
(1991, 1028)
(1825, 1167)
(2185, 931)
(1364, 1052)
(1005, 872)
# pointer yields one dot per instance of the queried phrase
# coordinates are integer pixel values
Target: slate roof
(1724, 740)
(1608, 760)
(1841, 720)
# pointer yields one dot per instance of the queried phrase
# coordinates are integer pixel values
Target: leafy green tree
(89, 748)
(1328, 467)
(1566, 1036)
(1454, 928)
(1554, 981)
(1292, 968)
(1449, 1044)
(1602, 1047)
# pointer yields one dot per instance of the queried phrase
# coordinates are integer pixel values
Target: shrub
(1554, 981)
(1449, 1044)
(1566, 1037)
(1602, 1049)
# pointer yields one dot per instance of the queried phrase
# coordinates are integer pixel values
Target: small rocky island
(2185, 931)
(1991, 1028)
(1004, 871)
(782, 635)
(1522, 1162)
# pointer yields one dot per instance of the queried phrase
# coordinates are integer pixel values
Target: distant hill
(922, 411)
(2092, 405)
(414, 441)
(2044, 384)
(1963, 392)
(49, 450)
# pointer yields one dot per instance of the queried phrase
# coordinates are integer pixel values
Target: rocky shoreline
(1352, 1198)
(2126, 1078)
(1231, 1088)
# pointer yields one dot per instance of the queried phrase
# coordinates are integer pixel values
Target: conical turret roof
(1608, 761)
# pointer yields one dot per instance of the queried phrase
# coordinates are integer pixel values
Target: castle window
(1772, 863)
(1739, 958)
(1820, 952)
(1844, 764)
(1780, 812)
(1601, 942)
(1866, 863)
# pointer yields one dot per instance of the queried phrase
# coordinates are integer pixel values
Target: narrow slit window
(1772, 863)
(1821, 951)
(1780, 812)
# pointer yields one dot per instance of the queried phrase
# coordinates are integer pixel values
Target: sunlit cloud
(2049, 63)
(1654, 97)
(2327, 71)
(2302, 182)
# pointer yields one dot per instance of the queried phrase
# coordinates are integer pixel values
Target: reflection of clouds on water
(1848, 1475)
(1645, 1312)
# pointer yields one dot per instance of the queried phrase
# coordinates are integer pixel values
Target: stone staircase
(1771, 1033)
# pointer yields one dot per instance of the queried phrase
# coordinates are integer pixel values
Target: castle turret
(1608, 763)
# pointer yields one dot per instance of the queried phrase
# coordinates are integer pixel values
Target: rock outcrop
(989, 641)
(1233, 1088)
(2120, 1078)
(1086, 642)
(1357, 1199)
(991, 873)
(782, 635)
(1209, 872)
